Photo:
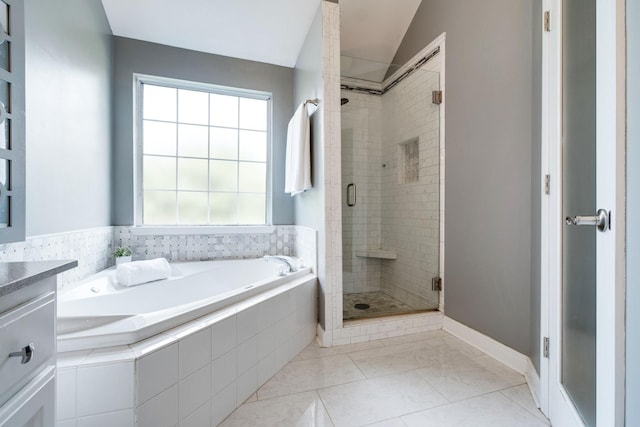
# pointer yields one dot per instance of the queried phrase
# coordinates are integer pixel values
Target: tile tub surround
(422, 379)
(195, 374)
(93, 248)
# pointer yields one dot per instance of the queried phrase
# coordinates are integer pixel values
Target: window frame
(138, 81)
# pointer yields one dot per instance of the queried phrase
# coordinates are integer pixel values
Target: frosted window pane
(192, 174)
(224, 143)
(192, 208)
(224, 175)
(253, 146)
(253, 114)
(159, 103)
(159, 207)
(159, 138)
(4, 17)
(4, 173)
(5, 209)
(224, 208)
(252, 209)
(253, 177)
(193, 141)
(193, 107)
(224, 111)
(159, 173)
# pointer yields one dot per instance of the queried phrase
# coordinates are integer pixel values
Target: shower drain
(361, 306)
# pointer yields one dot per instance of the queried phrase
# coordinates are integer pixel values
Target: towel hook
(312, 101)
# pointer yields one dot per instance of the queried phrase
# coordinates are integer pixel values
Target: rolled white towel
(139, 272)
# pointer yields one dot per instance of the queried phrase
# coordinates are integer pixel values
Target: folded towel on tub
(139, 272)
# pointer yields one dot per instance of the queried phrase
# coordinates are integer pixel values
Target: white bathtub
(100, 313)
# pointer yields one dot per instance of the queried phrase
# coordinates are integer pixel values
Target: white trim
(610, 195)
(533, 381)
(139, 80)
(202, 230)
(506, 355)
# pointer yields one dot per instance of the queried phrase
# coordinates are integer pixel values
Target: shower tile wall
(361, 143)
(391, 150)
(411, 207)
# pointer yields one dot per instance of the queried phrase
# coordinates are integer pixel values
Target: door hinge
(436, 284)
(436, 97)
(545, 347)
(547, 21)
(547, 184)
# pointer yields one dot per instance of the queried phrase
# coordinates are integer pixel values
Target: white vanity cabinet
(28, 343)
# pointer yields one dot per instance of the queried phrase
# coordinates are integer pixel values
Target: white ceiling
(370, 33)
(270, 31)
(265, 31)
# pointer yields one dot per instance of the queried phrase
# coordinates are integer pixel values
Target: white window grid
(139, 81)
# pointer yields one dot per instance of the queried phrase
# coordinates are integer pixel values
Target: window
(202, 154)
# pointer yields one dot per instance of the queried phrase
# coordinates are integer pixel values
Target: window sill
(207, 230)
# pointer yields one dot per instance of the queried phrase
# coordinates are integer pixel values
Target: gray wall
(488, 160)
(68, 116)
(536, 190)
(633, 213)
(308, 84)
(134, 56)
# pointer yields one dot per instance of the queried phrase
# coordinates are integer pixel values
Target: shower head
(344, 101)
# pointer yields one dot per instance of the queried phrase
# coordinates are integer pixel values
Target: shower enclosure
(391, 188)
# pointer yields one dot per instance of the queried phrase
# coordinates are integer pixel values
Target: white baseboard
(510, 357)
(533, 381)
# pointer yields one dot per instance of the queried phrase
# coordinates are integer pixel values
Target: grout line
(324, 405)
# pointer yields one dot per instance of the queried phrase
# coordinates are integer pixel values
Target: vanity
(28, 342)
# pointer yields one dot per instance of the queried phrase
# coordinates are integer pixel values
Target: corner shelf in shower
(377, 253)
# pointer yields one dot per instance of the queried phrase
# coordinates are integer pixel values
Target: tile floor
(380, 304)
(428, 379)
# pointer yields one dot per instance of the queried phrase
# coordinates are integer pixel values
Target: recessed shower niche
(391, 190)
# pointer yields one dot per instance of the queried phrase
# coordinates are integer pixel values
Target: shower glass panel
(391, 189)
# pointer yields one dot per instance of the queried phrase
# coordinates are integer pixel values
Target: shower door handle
(351, 190)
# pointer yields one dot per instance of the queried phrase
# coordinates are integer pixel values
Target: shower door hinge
(547, 184)
(436, 284)
(547, 21)
(436, 97)
(545, 347)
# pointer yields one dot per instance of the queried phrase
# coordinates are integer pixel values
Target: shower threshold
(365, 305)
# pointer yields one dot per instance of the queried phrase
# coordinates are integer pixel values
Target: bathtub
(99, 313)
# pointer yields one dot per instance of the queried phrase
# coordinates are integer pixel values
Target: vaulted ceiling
(270, 31)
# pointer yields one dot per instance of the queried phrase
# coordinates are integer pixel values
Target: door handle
(351, 190)
(600, 220)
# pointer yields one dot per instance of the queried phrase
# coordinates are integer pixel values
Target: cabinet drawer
(33, 405)
(30, 323)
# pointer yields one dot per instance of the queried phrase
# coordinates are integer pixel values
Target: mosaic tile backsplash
(93, 248)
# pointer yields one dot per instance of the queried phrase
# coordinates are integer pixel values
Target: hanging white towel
(298, 159)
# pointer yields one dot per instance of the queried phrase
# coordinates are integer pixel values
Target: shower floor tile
(380, 304)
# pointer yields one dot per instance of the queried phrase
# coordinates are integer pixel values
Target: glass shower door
(391, 193)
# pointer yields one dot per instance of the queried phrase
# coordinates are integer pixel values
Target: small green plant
(122, 251)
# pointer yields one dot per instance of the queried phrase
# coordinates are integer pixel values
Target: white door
(585, 214)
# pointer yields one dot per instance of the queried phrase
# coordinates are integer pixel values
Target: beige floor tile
(402, 339)
(378, 399)
(310, 374)
(462, 378)
(405, 357)
(314, 351)
(296, 410)
(522, 396)
(491, 410)
(393, 422)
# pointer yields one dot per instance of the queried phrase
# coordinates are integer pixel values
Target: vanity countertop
(18, 275)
